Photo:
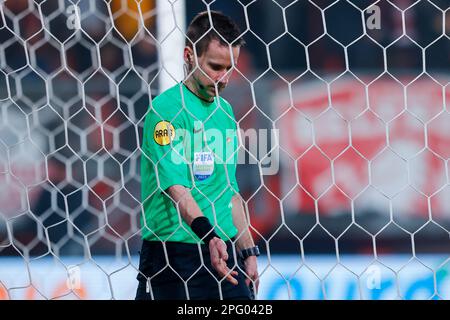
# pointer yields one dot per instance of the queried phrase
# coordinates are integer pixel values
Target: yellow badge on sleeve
(164, 133)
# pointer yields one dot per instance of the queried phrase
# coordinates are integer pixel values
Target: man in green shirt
(194, 217)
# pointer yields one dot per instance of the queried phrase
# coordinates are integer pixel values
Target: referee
(196, 241)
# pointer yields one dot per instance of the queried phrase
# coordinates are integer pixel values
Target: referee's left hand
(251, 270)
(219, 257)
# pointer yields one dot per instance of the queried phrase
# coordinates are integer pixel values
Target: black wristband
(203, 229)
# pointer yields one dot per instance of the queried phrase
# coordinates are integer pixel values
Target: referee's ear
(188, 56)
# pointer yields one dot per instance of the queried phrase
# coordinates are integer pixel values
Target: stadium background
(66, 194)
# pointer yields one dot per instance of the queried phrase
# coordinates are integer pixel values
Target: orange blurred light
(127, 18)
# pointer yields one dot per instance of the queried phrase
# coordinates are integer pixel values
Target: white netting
(361, 165)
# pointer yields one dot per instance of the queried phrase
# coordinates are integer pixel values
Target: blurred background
(359, 97)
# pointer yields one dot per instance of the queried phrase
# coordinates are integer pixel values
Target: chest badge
(203, 165)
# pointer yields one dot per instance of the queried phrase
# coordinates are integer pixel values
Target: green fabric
(164, 163)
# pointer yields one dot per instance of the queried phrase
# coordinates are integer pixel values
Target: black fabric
(203, 229)
(184, 265)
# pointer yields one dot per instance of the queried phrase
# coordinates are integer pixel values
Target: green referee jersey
(190, 142)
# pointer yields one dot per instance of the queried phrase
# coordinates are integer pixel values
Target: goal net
(343, 115)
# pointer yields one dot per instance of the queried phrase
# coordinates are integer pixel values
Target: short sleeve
(164, 147)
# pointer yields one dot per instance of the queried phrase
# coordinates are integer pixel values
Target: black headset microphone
(201, 86)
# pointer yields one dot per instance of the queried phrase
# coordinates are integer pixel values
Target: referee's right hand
(219, 256)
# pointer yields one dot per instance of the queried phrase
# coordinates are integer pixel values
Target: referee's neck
(195, 91)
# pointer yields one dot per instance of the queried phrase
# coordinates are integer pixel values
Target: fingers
(254, 279)
(217, 251)
(253, 284)
(219, 256)
(224, 255)
(223, 270)
(257, 285)
(231, 279)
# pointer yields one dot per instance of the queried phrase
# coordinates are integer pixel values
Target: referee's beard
(204, 92)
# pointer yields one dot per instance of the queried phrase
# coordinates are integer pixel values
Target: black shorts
(184, 276)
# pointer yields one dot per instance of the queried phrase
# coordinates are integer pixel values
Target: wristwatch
(253, 251)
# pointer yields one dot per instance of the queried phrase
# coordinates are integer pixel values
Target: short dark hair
(226, 31)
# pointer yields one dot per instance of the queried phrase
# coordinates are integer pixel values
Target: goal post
(171, 32)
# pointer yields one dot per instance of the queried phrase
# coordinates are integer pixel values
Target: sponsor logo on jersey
(164, 133)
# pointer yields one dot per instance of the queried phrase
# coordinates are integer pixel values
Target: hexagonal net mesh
(343, 115)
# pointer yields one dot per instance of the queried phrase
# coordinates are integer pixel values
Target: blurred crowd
(117, 96)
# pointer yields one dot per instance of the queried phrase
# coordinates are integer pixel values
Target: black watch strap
(253, 251)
